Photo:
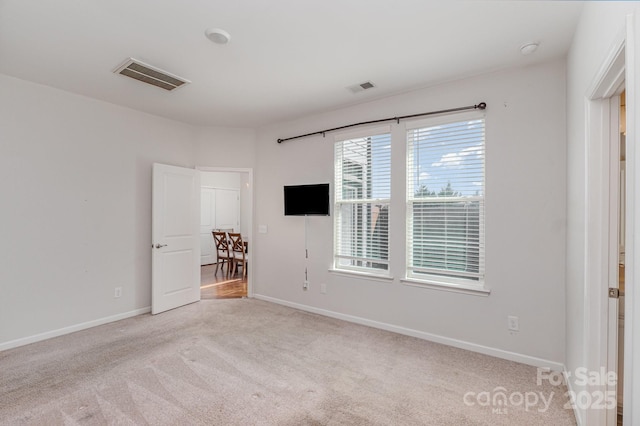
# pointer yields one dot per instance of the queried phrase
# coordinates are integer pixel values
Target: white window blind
(362, 196)
(445, 201)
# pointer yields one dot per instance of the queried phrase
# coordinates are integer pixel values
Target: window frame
(339, 202)
(438, 278)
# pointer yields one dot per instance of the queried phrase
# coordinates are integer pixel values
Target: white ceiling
(286, 58)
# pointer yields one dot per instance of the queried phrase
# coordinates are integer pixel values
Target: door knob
(160, 245)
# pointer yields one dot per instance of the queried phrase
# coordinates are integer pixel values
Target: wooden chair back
(238, 252)
(237, 245)
(223, 255)
(222, 244)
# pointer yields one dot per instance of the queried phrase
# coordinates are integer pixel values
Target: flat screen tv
(302, 200)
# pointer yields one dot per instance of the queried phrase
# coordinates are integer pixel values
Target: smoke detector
(217, 35)
(357, 88)
(149, 74)
(529, 48)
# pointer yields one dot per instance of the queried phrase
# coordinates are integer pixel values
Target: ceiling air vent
(149, 74)
(361, 87)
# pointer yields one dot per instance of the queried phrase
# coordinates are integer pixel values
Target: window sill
(364, 275)
(455, 288)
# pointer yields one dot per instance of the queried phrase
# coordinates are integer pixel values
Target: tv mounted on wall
(302, 200)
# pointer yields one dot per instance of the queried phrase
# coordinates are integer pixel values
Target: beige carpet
(248, 362)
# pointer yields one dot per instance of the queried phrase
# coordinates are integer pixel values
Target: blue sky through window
(449, 154)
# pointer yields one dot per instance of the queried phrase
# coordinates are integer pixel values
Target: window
(445, 200)
(362, 197)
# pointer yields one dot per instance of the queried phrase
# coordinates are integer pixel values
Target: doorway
(609, 236)
(226, 205)
(220, 209)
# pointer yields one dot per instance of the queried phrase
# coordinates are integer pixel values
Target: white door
(207, 225)
(228, 209)
(175, 229)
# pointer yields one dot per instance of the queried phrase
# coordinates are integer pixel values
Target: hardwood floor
(220, 285)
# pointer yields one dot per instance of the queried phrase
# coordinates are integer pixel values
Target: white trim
(611, 73)
(613, 252)
(567, 380)
(632, 237)
(364, 275)
(473, 347)
(618, 67)
(476, 290)
(597, 244)
(365, 201)
(219, 187)
(72, 329)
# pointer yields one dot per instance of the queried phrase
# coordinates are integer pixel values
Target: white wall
(601, 23)
(525, 219)
(225, 147)
(224, 180)
(233, 148)
(75, 179)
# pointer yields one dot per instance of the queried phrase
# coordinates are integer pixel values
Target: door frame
(613, 305)
(250, 232)
(212, 255)
(617, 69)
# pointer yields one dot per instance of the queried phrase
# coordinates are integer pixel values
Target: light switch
(262, 229)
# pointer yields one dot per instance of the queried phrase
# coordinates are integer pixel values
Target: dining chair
(238, 252)
(223, 255)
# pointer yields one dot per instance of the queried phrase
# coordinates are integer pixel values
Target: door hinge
(614, 293)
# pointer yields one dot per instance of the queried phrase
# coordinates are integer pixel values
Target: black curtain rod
(481, 105)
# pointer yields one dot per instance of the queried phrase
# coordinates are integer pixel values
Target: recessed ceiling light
(217, 35)
(529, 48)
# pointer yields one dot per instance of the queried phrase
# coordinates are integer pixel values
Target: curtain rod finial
(481, 105)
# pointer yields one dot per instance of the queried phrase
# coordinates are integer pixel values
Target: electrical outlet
(323, 288)
(512, 323)
(305, 285)
(118, 292)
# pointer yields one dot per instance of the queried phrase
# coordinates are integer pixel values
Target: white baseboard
(486, 350)
(577, 414)
(71, 329)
